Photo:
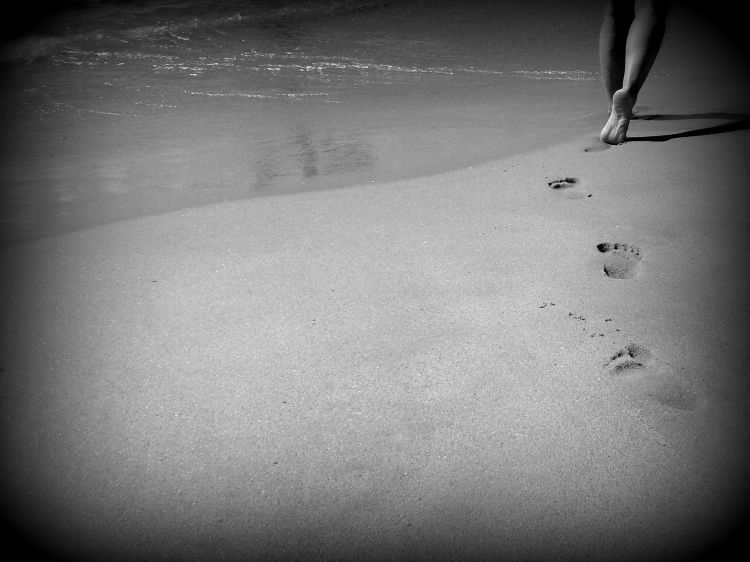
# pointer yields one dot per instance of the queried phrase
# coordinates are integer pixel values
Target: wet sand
(64, 173)
(538, 357)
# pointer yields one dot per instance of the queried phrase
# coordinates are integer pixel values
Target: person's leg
(644, 40)
(613, 37)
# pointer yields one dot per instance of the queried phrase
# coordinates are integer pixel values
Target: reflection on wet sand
(300, 160)
(308, 155)
(100, 177)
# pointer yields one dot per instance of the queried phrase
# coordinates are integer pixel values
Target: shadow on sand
(738, 122)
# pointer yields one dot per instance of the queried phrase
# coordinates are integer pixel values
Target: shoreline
(68, 175)
(436, 367)
(91, 172)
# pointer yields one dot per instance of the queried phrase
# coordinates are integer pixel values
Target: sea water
(113, 110)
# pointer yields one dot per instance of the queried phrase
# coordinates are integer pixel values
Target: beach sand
(541, 357)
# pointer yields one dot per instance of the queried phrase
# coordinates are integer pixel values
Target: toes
(622, 259)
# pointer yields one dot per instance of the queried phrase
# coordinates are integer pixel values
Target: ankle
(630, 93)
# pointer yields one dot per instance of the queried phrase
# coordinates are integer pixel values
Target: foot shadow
(738, 122)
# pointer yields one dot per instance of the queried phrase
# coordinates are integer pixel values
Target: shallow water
(111, 111)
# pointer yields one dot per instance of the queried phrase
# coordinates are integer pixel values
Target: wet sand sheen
(64, 175)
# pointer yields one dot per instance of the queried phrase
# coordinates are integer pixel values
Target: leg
(643, 43)
(613, 36)
(644, 40)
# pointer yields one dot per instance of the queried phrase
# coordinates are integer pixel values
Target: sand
(539, 357)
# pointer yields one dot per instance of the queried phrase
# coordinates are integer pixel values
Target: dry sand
(438, 368)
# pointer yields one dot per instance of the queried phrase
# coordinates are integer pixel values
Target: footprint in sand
(629, 358)
(635, 368)
(569, 188)
(622, 259)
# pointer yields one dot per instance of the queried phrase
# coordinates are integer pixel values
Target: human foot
(619, 118)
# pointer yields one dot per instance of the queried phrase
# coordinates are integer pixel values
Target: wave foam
(557, 74)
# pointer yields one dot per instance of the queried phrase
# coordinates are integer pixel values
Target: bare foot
(619, 119)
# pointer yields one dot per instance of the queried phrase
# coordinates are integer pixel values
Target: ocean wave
(292, 62)
(29, 49)
(173, 24)
(305, 63)
(323, 96)
(557, 74)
